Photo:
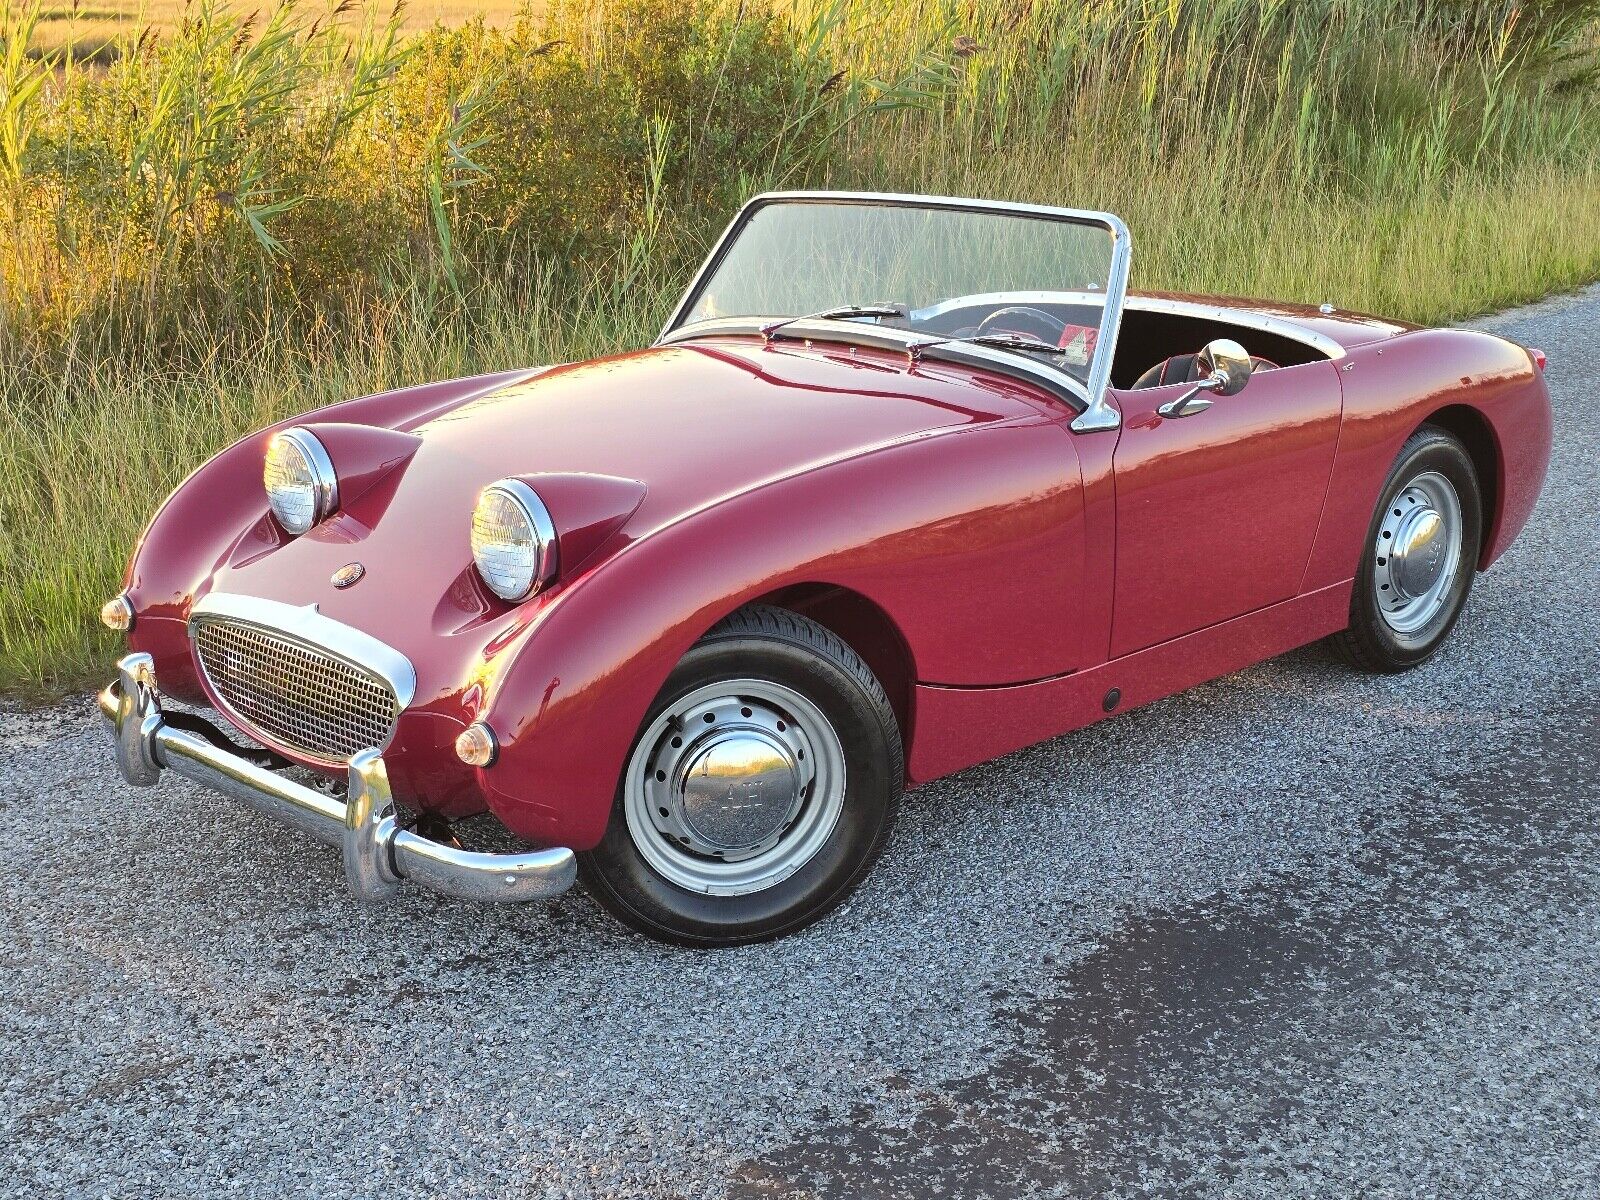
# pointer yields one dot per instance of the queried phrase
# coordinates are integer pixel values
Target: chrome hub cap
(735, 787)
(733, 790)
(1418, 552)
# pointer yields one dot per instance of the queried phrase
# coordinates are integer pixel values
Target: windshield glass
(955, 273)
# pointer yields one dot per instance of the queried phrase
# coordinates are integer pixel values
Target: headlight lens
(513, 540)
(299, 478)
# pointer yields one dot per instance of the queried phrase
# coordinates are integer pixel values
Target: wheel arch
(1483, 389)
(867, 628)
(1472, 429)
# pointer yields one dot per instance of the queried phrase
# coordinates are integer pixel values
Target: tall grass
(245, 217)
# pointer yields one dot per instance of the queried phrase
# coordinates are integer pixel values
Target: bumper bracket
(378, 853)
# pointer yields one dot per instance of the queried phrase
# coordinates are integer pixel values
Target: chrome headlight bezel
(537, 568)
(319, 479)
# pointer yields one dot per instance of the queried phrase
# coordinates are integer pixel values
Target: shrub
(245, 217)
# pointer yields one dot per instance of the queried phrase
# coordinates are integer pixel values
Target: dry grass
(94, 31)
(276, 239)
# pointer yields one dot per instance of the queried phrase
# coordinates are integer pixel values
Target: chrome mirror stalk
(1191, 402)
(1227, 365)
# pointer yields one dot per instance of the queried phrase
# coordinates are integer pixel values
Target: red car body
(1007, 578)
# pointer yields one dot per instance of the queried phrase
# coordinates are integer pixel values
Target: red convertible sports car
(905, 484)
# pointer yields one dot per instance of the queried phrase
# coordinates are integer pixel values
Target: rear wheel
(759, 791)
(1421, 554)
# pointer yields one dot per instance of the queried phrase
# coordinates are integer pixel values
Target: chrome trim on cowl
(1245, 318)
(971, 354)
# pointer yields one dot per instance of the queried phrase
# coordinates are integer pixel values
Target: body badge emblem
(348, 574)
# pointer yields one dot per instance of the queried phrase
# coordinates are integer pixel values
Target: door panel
(1216, 512)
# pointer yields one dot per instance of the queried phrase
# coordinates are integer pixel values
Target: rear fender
(1393, 387)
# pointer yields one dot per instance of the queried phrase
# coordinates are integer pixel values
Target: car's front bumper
(378, 853)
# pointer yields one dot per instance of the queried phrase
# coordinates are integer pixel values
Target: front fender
(972, 542)
(197, 526)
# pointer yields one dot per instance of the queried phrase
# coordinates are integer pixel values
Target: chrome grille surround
(298, 680)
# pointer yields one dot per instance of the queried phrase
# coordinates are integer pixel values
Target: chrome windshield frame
(1097, 412)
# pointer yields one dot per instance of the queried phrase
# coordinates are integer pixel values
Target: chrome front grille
(291, 693)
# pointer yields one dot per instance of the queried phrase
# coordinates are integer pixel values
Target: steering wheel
(1020, 318)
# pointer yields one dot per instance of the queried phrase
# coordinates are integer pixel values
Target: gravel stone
(1300, 931)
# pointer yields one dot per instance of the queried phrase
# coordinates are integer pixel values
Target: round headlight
(299, 478)
(513, 540)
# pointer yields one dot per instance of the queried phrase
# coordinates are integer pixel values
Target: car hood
(670, 430)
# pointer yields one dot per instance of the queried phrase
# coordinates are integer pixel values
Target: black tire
(1370, 642)
(767, 644)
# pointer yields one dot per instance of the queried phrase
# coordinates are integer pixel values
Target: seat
(1185, 368)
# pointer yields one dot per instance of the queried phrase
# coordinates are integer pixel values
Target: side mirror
(1227, 361)
(1227, 368)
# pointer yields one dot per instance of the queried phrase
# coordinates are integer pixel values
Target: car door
(1216, 511)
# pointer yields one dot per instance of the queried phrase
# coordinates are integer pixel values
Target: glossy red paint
(922, 530)
(364, 459)
(960, 727)
(1393, 387)
(1216, 512)
(1019, 570)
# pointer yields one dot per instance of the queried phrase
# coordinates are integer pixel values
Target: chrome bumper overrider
(378, 854)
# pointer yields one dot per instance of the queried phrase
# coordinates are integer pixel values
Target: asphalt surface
(1300, 932)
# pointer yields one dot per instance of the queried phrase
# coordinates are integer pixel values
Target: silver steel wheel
(734, 787)
(1418, 552)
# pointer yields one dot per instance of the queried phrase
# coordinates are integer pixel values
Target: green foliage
(294, 165)
(252, 215)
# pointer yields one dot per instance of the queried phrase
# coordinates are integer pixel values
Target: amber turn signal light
(477, 746)
(117, 613)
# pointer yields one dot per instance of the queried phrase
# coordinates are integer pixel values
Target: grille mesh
(299, 697)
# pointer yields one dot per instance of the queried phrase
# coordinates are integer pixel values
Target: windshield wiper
(1001, 341)
(1010, 341)
(844, 312)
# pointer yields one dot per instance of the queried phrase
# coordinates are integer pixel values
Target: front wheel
(1420, 557)
(759, 791)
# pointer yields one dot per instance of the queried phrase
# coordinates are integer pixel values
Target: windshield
(993, 273)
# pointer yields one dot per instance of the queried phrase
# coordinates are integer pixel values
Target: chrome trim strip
(324, 479)
(305, 624)
(378, 854)
(1244, 317)
(1099, 413)
(1248, 318)
(1064, 386)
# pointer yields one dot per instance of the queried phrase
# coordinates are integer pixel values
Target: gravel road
(1300, 932)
